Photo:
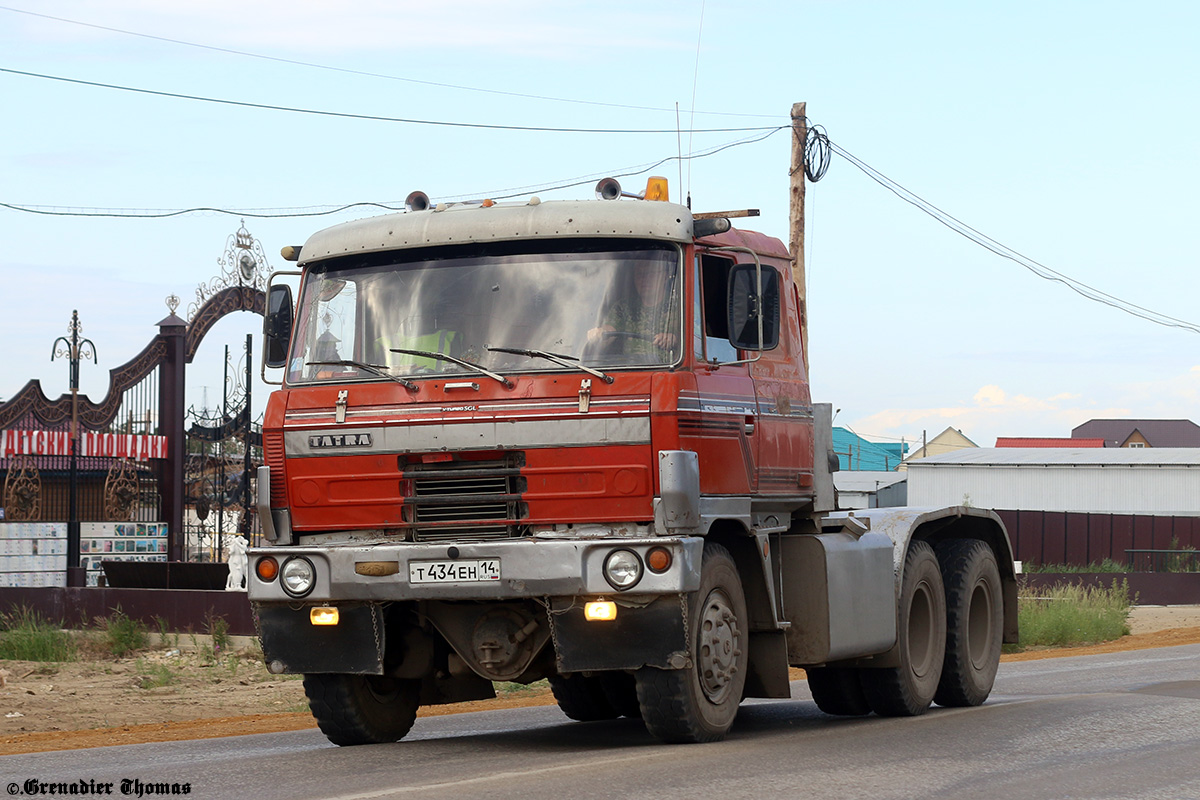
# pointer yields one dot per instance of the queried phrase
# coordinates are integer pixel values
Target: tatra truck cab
(574, 441)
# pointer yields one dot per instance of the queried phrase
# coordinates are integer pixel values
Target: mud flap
(292, 644)
(654, 635)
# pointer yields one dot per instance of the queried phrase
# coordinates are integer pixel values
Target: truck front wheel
(362, 709)
(908, 689)
(974, 622)
(699, 703)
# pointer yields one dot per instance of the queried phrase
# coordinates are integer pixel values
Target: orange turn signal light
(656, 189)
(266, 569)
(658, 559)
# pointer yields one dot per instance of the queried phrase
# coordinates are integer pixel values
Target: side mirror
(748, 309)
(277, 326)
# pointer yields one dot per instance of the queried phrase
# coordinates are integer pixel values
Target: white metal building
(1159, 481)
(861, 489)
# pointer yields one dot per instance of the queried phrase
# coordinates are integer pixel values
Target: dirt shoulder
(176, 694)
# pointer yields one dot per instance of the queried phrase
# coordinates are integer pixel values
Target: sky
(1063, 130)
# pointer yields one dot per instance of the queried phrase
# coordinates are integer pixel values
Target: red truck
(574, 441)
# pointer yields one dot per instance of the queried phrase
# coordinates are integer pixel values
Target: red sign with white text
(58, 443)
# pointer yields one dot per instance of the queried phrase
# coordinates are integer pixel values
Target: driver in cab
(644, 321)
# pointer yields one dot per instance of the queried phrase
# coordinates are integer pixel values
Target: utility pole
(796, 238)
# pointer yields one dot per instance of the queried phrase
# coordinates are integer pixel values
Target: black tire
(908, 689)
(974, 622)
(838, 691)
(581, 698)
(620, 690)
(699, 704)
(362, 709)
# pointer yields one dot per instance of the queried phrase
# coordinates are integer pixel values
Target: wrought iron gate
(224, 451)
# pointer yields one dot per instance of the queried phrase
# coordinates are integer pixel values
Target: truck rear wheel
(908, 689)
(699, 703)
(362, 709)
(838, 691)
(974, 622)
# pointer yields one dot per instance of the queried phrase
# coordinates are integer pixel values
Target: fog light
(622, 569)
(297, 576)
(600, 611)
(323, 615)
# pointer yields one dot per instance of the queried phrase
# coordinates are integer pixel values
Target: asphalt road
(1111, 726)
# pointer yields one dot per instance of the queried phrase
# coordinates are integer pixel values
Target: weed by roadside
(219, 640)
(124, 635)
(1070, 614)
(166, 637)
(154, 676)
(27, 636)
(1107, 565)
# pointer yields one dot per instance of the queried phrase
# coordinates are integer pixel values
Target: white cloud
(992, 413)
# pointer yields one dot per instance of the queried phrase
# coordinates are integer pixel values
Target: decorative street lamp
(74, 349)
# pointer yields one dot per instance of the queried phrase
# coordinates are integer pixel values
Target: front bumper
(529, 567)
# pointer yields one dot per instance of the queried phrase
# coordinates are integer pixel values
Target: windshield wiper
(375, 369)
(468, 364)
(557, 358)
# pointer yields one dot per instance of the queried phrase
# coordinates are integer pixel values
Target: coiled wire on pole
(816, 153)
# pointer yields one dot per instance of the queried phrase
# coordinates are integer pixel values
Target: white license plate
(467, 571)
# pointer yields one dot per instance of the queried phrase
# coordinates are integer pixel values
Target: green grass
(1069, 614)
(26, 636)
(154, 676)
(508, 689)
(1107, 565)
(124, 635)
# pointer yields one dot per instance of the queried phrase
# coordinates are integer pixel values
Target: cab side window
(712, 319)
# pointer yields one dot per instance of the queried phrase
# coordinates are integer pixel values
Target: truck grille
(464, 499)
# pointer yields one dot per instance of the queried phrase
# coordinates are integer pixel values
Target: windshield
(601, 308)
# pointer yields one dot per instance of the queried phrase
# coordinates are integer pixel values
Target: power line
(365, 73)
(368, 117)
(157, 213)
(317, 211)
(1002, 250)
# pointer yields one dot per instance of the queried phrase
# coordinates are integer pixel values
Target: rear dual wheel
(908, 689)
(974, 622)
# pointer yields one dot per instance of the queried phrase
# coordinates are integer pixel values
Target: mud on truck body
(479, 468)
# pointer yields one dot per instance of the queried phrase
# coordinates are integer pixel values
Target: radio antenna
(692, 113)
(679, 149)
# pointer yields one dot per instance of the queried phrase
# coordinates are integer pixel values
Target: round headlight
(297, 576)
(622, 569)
